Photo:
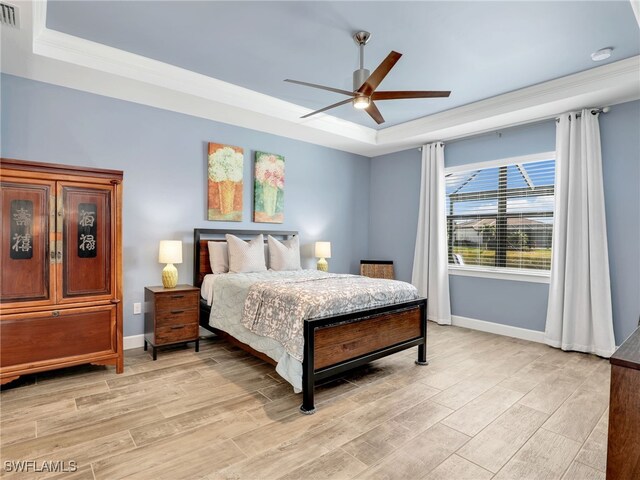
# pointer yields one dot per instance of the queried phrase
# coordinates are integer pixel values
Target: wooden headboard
(201, 264)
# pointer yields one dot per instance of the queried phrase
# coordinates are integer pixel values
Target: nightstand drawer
(176, 316)
(176, 301)
(176, 333)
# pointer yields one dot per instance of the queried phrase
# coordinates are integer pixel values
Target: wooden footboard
(336, 344)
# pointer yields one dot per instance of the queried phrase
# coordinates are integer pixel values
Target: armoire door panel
(57, 334)
(27, 271)
(85, 221)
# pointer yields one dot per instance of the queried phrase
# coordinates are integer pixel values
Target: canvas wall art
(268, 201)
(225, 172)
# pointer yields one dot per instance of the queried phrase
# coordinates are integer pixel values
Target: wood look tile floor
(485, 407)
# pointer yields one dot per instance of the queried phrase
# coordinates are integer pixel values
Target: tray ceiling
(476, 49)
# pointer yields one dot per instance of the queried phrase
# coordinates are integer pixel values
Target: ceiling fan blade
(391, 95)
(379, 73)
(373, 111)
(328, 108)
(321, 87)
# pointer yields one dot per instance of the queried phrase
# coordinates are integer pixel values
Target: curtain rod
(499, 133)
(594, 111)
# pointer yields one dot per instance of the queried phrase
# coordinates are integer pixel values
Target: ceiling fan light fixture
(361, 102)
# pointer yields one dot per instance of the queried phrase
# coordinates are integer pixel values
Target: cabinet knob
(175, 312)
(55, 313)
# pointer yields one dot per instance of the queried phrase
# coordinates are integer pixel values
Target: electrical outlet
(137, 308)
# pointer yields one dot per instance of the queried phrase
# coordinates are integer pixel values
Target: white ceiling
(132, 62)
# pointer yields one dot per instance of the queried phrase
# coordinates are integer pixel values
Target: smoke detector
(601, 54)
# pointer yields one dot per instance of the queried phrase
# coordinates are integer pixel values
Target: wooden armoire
(61, 267)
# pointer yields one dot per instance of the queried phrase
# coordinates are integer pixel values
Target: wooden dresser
(623, 451)
(61, 267)
(171, 316)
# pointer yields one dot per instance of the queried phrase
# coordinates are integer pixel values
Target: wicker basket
(377, 269)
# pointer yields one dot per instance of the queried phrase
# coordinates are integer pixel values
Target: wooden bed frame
(332, 345)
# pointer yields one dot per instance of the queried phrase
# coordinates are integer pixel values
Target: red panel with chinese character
(86, 239)
(27, 275)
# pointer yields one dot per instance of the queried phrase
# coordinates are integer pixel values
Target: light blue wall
(393, 206)
(620, 136)
(511, 142)
(395, 187)
(163, 155)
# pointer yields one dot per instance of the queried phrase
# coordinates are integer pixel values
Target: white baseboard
(133, 341)
(137, 341)
(498, 328)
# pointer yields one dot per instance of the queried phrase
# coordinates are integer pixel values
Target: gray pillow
(284, 255)
(218, 257)
(245, 257)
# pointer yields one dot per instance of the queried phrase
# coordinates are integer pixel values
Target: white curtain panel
(430, 265)
(579, 315)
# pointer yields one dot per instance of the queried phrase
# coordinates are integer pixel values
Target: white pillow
(218, 257)
(284, 255)
(245, 257)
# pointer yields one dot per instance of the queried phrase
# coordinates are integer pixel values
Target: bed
(330, 345)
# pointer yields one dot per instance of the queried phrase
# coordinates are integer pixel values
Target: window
(501, 215)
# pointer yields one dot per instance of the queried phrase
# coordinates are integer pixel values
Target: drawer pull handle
(175, 312)
(177, 296)
(176, 327)
(55, 313)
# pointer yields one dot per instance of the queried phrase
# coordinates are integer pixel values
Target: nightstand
(171, 316)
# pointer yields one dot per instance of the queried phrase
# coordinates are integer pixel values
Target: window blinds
(501, 216)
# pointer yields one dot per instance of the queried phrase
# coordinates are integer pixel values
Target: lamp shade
(170, 251)
(323, 249)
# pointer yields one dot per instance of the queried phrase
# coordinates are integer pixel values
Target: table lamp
(170, 253)
(323, 251)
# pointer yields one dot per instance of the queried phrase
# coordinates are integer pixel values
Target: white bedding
(226, 294)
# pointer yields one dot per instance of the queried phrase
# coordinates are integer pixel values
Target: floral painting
(225, 169)
(268, 204)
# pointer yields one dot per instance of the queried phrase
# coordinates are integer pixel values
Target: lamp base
(322, 265)
(169, 276)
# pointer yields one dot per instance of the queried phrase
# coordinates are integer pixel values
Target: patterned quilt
(277, 309)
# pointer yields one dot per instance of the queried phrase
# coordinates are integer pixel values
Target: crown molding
(609, 84)
(45, 55)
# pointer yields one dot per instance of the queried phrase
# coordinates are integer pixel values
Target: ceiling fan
(365, 85)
